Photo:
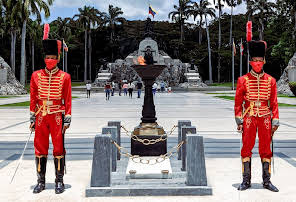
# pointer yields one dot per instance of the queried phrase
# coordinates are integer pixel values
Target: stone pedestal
(113, 131)
(136, 170)
(186, 130)
(181, 123)
(195, 164)
(101, 165)
(118, 139)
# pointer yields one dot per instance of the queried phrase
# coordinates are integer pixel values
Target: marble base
(136, 170)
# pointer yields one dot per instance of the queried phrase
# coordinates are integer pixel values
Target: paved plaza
(213, 117)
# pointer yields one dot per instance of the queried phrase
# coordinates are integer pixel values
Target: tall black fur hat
(257, 48)
(51, 47)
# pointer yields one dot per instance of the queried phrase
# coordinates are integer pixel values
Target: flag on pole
(242, 49)
(234, 49)
(65, 46)
(152, 11)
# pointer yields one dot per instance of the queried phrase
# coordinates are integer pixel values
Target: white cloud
(134, 9)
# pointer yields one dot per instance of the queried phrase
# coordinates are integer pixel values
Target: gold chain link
(152, 161)
(147, 141)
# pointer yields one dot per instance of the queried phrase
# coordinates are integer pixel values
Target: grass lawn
(8, 96)
(77, 84)
(232, 98)
(228, 84)
(25, 104)
(220, 93)
(287, 96)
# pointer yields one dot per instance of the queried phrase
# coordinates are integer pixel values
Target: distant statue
(149, 28)
(149, 60)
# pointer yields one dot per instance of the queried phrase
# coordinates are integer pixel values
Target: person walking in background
(131, 87)
(113, 88)
(139, 87)
(162, 86)
(158, 87)
(88, 89)
(120, 87)
(154, 88)
(108, 89)
(125, 87)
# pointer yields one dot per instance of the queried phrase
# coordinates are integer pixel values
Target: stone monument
(173, 74)
(149, 169)
(289, 75)
(9, 85)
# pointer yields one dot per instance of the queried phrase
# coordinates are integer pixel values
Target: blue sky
(133, 9)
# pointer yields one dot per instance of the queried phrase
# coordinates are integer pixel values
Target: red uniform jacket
(50, 93)
(256, 95)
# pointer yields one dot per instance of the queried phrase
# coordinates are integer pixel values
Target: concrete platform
(146, 190)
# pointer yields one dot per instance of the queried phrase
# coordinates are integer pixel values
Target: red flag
(242, 49)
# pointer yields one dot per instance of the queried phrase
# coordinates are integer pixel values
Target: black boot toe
(39, 188)
(270, 187)
(244, 186)
(60, 188)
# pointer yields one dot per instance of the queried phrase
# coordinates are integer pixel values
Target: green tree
(208, 11)
(35, 34)
(263, 9)
(197, 11)
(11, 21)
(28, 8)
(181, 14)
(111, 19)
(87, 17)
(63, 29)
(219, 6)
(232, 4)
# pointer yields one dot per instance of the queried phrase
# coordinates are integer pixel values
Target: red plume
(249, 31)
(59, 46)
(46, 31)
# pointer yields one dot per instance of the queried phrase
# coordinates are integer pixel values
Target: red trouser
(45, 125)
(251, 125)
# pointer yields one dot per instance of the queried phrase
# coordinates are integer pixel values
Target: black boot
(59, 163)
(41, 170)
(246, 184)
(266, 171)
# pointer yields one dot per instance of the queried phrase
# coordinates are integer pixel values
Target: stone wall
(11, 86)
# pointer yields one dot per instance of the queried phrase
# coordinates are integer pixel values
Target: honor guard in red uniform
(50, 113)
(256, 109)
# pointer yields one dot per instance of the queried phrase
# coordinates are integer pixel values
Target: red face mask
(257, 66)
(51, 63)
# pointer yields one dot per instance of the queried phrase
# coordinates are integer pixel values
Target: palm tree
(35, 33)
(181, 12)
(63, 29)
(198, 12)
(219, 6)
(28, 8)
(264, 9)
(111, 19)
(206, 11)
(232, 4)
(87, 17)
(12, 24)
